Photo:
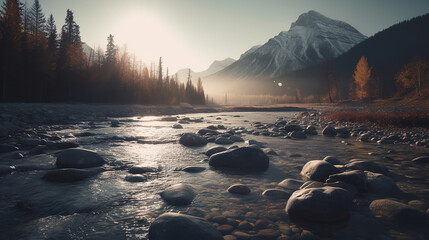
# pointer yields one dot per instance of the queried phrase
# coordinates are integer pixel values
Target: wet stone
(79, 158)
(225, 229)
(421, 160)
(245, 225)
(398, 212)
(179, 194)
(71, 174)
(134, 178)
(192, 140)
(355, 177)
(193, 169)
(276, 194)
(332, 160)
(215, 150)
(239, 189)
(244, 158)
(291, 184)
(326, 204)
(177, 226)
(356, 164)
(269, 234)
(318, 170)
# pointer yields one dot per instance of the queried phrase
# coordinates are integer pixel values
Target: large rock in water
(318, 170)
(177, 226)
(398, 212)
(379, 183)
(356, 164)
(326, 204)
(215, 149)
(79, 158)
(179, 194)
(244, 158)
(192, 140)
(71, 175)
(355, 177)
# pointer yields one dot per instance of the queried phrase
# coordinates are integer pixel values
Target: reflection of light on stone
(280, 84)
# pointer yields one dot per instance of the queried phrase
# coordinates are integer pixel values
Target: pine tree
(10, 47)
(51, 30)
(362, 76)
(37, 22)
(110, 50)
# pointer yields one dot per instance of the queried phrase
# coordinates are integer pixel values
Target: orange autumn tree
(361, 76)
(413, 76)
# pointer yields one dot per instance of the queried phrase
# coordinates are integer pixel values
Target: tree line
(39, 65)
(412, 80)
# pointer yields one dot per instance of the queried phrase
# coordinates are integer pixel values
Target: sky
(194, 33)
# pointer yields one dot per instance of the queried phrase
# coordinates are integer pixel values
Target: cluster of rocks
(364, 132)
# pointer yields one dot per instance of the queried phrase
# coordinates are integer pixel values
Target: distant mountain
(387, 52)
(215, 67)
(313, 38)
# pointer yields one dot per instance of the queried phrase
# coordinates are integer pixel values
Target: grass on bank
(388, 119)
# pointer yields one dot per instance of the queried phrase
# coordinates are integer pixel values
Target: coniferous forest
(39, 64)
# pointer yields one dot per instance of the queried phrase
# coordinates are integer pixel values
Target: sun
(149, 36)
(280, 84)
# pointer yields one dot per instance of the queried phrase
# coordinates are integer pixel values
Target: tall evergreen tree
(110, 50)
(38, 22)
(51, 30)
(10, 47)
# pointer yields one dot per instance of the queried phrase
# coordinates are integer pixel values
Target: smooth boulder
(326, 204)
(366, 166)
(355, 177)
(179, 194)
(318, 170)
(244, 158)
(177, 226)
(276, 193)
(398, 212)
(79, 158)
(329, 131)
(291, 184)
(379, 183)
(70, 174)
(215, 149)
(192, 140)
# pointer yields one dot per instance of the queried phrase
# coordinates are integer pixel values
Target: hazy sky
(194, 33)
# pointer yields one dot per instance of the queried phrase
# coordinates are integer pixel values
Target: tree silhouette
(37, 22)
(51, 30)
(362, 76)
(110, 50)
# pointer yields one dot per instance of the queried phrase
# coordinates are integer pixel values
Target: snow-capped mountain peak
(311, 39)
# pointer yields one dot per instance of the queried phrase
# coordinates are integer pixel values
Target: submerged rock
(177, 226)
(291, 184)
(276, 194)
(71, 174)
(223, 141)
(134, 178)
(326, 204)
(177, 126)
(79, 158)
(4, 169)
(244, 158)
(192, 140)
(318, 170)
(193, 169)
(179, 194)
(398, 212)
(239, 189)
(379, 183)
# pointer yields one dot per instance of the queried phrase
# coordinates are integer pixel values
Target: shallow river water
(108, 207)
